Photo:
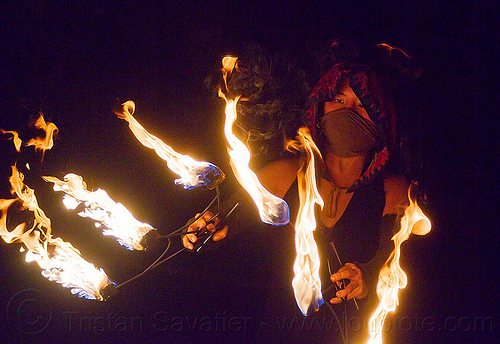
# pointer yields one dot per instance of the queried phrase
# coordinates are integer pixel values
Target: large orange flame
(60, 261)
(272, 210)
(192, 173)
(392, 277)
(114, 217)
(306, 283)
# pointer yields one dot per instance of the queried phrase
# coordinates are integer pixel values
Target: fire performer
(352, 119)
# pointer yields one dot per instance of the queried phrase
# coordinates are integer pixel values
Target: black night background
(76, 61)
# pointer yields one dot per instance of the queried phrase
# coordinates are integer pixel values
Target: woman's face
(346, 98)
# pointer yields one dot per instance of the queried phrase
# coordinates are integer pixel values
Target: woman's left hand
(356, 288)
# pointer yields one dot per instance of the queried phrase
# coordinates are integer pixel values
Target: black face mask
(348, 133)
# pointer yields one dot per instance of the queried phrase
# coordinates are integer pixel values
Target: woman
(352, 121)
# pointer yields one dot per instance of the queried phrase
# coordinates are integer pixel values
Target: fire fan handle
(204, 236)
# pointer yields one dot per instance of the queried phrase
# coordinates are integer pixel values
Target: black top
(356, 234)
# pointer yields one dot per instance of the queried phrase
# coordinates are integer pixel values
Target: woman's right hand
(189, 239)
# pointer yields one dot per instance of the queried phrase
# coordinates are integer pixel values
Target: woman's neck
(344, 171)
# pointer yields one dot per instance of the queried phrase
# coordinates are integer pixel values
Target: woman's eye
(338, 100)
(360, 105)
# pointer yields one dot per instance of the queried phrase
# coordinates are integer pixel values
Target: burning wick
(114, 217)
(192, 173)
(60, 261)
(392, 277)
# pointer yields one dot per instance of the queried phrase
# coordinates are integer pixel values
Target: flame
(15, 138)
(390, 48)
(192, 173)
(306, 283)
(40, 143)
(60, 261)
(228, 64)
(115, 218)
(392, 277)
(272, 210)
(46, 142)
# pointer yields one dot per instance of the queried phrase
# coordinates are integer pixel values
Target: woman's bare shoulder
(279, 175)
(396, 194)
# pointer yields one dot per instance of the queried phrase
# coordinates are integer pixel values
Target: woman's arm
(277, 177)
(396, 195)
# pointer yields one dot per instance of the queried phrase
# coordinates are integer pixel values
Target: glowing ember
(60, 261)
(192, 173)
(306, 283)
(272, 210)
(392, 277)
(114, 217)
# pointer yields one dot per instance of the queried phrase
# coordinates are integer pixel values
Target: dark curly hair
(273, 92)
